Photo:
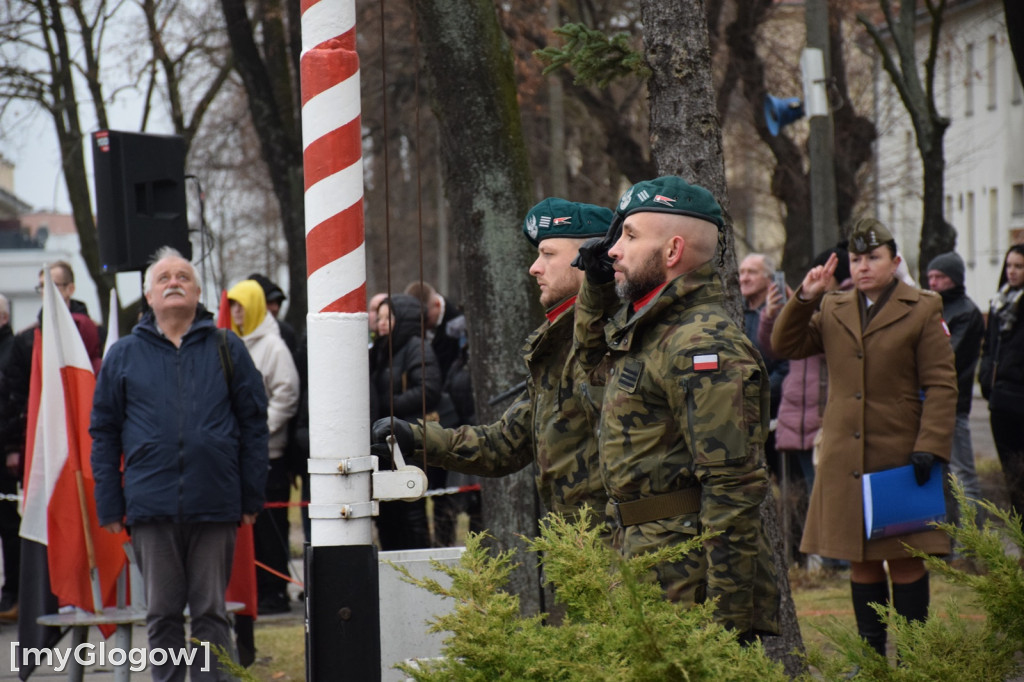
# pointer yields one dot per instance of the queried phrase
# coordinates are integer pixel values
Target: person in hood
(182, 402)
(270, 354)
(404, 377)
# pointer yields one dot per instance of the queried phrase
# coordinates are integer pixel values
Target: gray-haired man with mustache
(186, 406)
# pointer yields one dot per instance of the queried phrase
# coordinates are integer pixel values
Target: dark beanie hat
(951, 265)
(842, 267)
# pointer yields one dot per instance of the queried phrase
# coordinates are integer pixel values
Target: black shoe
(272, 605)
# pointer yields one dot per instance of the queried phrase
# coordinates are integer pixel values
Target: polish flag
(705, 363)
(59, 509)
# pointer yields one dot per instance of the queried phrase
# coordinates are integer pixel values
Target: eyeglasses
(39, 287)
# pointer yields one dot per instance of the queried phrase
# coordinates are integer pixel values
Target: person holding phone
(757, 272)
(892, 395)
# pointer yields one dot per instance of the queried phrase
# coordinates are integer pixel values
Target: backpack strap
(225, 357)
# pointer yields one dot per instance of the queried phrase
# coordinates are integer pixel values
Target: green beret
(671, 194)
(867, 235)
(555, 217)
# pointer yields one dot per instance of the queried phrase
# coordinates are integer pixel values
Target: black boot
(870, 625)
(911, 600)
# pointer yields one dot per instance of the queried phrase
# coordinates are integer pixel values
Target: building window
(949, 209)
(1017, 199)
(993, 79)
(969, 80)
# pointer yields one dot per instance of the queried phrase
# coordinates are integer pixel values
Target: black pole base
(342, 613)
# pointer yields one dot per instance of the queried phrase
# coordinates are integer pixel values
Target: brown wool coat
(874, 418)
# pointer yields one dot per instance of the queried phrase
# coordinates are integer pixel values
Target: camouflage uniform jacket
(667, 426)
(552, 422)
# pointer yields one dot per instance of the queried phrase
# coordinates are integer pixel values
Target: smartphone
(780, 283)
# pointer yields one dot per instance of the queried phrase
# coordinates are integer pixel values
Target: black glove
(594, 260)
(383, 453)
(382, 428)
(922, 462)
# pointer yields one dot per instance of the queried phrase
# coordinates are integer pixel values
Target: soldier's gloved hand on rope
(402, 431)
(922, 462)
(594, 260)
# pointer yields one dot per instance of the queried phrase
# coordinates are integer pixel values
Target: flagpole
(90, 549)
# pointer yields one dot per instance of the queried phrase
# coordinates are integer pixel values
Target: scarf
(1005, 304)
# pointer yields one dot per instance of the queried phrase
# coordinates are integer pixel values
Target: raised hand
(817, 279)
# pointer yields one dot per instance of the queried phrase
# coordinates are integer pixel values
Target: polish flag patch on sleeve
(945, 328)
(705, 363)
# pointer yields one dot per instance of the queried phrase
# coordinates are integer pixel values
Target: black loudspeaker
(140, 197)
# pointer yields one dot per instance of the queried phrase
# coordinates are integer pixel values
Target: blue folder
(894, 504)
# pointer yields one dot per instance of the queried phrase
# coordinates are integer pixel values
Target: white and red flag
(59, 510)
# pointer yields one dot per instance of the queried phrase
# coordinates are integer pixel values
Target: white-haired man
(186, 406)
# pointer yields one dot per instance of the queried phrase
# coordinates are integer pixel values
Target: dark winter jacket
(195, 449)
(412, 375)
(966, 330)
(17, 375)
(1001, 373)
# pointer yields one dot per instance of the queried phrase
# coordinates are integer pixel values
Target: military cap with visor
(867, 235)
(554, 217)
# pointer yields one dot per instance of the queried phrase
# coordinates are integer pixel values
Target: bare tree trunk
(474, 98)
(271, 87)
(898, 52)
(686, 140)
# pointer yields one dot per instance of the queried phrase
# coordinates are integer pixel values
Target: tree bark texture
(686, 140)
(486, 177)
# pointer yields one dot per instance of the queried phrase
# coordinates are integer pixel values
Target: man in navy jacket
(186, 406)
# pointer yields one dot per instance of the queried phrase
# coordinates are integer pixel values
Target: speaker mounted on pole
(140, 197)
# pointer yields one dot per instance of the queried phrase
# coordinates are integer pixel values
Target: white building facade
(978, 88)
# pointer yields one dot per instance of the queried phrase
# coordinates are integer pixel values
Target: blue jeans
(961, 461)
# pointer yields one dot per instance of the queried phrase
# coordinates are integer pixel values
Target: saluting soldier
(553, 420)
(892, 396)
(685, 411)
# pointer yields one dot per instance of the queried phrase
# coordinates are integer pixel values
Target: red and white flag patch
(945, 328)
(705, 363)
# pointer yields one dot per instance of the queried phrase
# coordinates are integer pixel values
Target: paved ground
(985, 455)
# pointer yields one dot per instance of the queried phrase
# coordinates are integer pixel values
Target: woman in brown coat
(891, 402)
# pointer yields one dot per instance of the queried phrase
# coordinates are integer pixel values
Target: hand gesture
(593, 259)
(817, 279)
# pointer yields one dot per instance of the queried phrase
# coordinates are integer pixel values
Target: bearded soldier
(685, 411)
(552, 421)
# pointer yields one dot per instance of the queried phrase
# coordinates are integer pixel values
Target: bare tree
(265, 56)
(790, 183)
(896, 42)
(52, 61)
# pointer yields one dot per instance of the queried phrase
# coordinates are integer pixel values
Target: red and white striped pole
(342, 608)
(335, 262)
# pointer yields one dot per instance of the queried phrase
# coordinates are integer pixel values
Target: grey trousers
(186, 564)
